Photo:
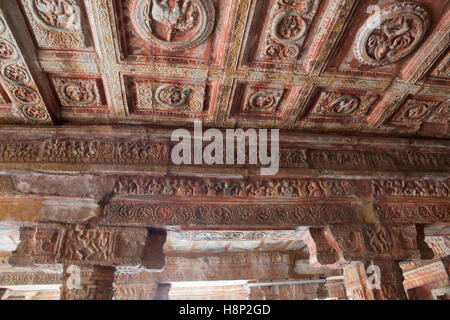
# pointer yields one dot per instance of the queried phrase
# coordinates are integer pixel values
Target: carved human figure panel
(392, 34)
(173, 24)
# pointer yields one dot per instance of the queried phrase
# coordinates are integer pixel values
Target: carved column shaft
(87, 283)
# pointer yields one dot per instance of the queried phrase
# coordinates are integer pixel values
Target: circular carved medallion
(173, 24)
(289, 27)
(77, 93)
(291, 51)
(35, 113)
(15, 73)
(26, 95)
(7, 50)
(57, 14)
(262, 100)
(273, 51)
(346, 105)
(172, 96)
(416, 112)
(392, 34)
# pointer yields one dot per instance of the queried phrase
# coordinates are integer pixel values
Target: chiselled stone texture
(439, 244)
(359, 89)
(391, 281)
(284, 292)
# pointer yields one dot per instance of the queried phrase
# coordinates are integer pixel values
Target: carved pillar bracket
(84, 246)
(337, 245)
(322, 247)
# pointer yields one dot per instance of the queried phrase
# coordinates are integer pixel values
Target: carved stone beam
(87, 283)
(89, 246)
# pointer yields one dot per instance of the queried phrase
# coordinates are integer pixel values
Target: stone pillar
(391, 281)
(355, 282)
(87, 283)
(336, 288)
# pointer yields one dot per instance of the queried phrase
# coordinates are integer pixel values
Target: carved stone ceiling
(370, 66)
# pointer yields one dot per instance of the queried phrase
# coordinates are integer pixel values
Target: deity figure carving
(392, 34)
(78, 93)
(35, 113)
(26, 95)
(173, 24)
(290, 22)
(58, 14)
(172, 96)
(264, 100)
(180, 18)
(7, 51)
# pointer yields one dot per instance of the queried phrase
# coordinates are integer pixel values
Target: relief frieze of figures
(220, 188)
